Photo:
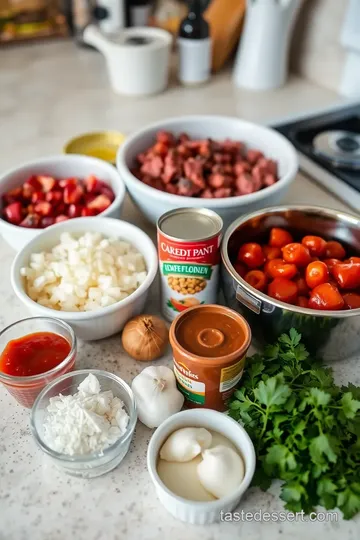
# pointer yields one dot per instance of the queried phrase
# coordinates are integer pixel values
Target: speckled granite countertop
(48, 93)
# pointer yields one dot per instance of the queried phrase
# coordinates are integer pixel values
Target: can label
(231, 375)
(189, 384)
(189, 273)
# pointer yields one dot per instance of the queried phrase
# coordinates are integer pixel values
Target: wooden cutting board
(225, 18)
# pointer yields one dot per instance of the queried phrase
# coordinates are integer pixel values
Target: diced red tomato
(12, 196)
(92, 184)
(47, 221)
(101, 203)
(257, 279)
(32, 221)
(54, 197)
(47, 182)
(43, 208)
(86, 212)
(75, 210)
(284, 290)
(61, 218)
(73, 194)
(326, 297)
(279, 237)
(251, 254)
(108, 192)
(296, 253)
(13, 213)
(37, 196)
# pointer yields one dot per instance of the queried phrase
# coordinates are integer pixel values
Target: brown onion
(145, 337)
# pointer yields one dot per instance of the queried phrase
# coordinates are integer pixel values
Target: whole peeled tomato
(354, 259)
(326, 297)
(272, 252)
(279, 237)
(257, 279)
(347, 275)
(302, 301)
(315, 244)
(352, 300)
(334, 250)
(251, 254)
(301, 284)
(240, 268)
(316, 273)
(330, 263)
(278, 268)
(296, 253)
(284, 290)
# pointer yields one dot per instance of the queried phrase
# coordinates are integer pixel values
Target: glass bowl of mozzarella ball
(84, 422)
(93, 274)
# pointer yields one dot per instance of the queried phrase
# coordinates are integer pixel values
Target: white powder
(88, 421)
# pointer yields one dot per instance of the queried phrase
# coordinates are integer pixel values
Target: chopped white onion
(84, 274)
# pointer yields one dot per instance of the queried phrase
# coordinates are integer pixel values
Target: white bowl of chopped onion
(95, 274)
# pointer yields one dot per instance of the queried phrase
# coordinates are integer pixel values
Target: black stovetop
(303, 132)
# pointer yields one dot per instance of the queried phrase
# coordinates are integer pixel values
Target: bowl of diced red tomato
(296, 266)
(50, 190)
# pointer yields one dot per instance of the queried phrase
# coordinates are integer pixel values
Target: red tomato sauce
(33, 354)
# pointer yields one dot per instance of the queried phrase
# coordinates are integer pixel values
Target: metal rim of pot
(259, 302)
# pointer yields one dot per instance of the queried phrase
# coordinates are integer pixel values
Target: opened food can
(189, 257)
(209, 347)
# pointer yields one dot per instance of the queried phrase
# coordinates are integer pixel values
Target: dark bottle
(194, 44)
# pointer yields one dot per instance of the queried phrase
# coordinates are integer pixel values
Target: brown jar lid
(210, 333)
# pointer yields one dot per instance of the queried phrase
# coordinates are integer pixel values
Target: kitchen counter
(48, 94)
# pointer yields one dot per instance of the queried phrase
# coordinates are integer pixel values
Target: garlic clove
(185, 444)
(156, 395)
(221, 471)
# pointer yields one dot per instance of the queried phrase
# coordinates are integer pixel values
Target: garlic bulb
(221, 470)
(156, 395)
(185, 444)
(145, 337)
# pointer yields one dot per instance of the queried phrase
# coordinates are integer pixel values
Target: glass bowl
(26, 389)
(96, 463)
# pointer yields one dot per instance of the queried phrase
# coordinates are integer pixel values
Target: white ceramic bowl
(61, 166)
(201, 513)
(104, 322)
(153, 203)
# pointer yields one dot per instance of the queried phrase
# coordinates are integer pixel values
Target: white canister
(137, 58)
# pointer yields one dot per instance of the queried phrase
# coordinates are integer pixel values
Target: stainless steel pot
(334, 335)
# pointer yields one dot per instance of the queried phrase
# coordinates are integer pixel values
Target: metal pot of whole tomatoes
(296, 266)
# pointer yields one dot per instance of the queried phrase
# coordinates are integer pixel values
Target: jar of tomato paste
(188, 247)
(209, 346)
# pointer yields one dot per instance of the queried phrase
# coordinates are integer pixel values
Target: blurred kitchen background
(319, 48)
(69, 67)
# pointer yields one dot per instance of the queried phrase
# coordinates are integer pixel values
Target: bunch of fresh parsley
(305, 429)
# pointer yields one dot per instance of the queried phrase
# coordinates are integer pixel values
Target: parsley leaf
(305, 429)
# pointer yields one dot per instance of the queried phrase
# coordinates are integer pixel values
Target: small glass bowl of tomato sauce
(34, 352)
